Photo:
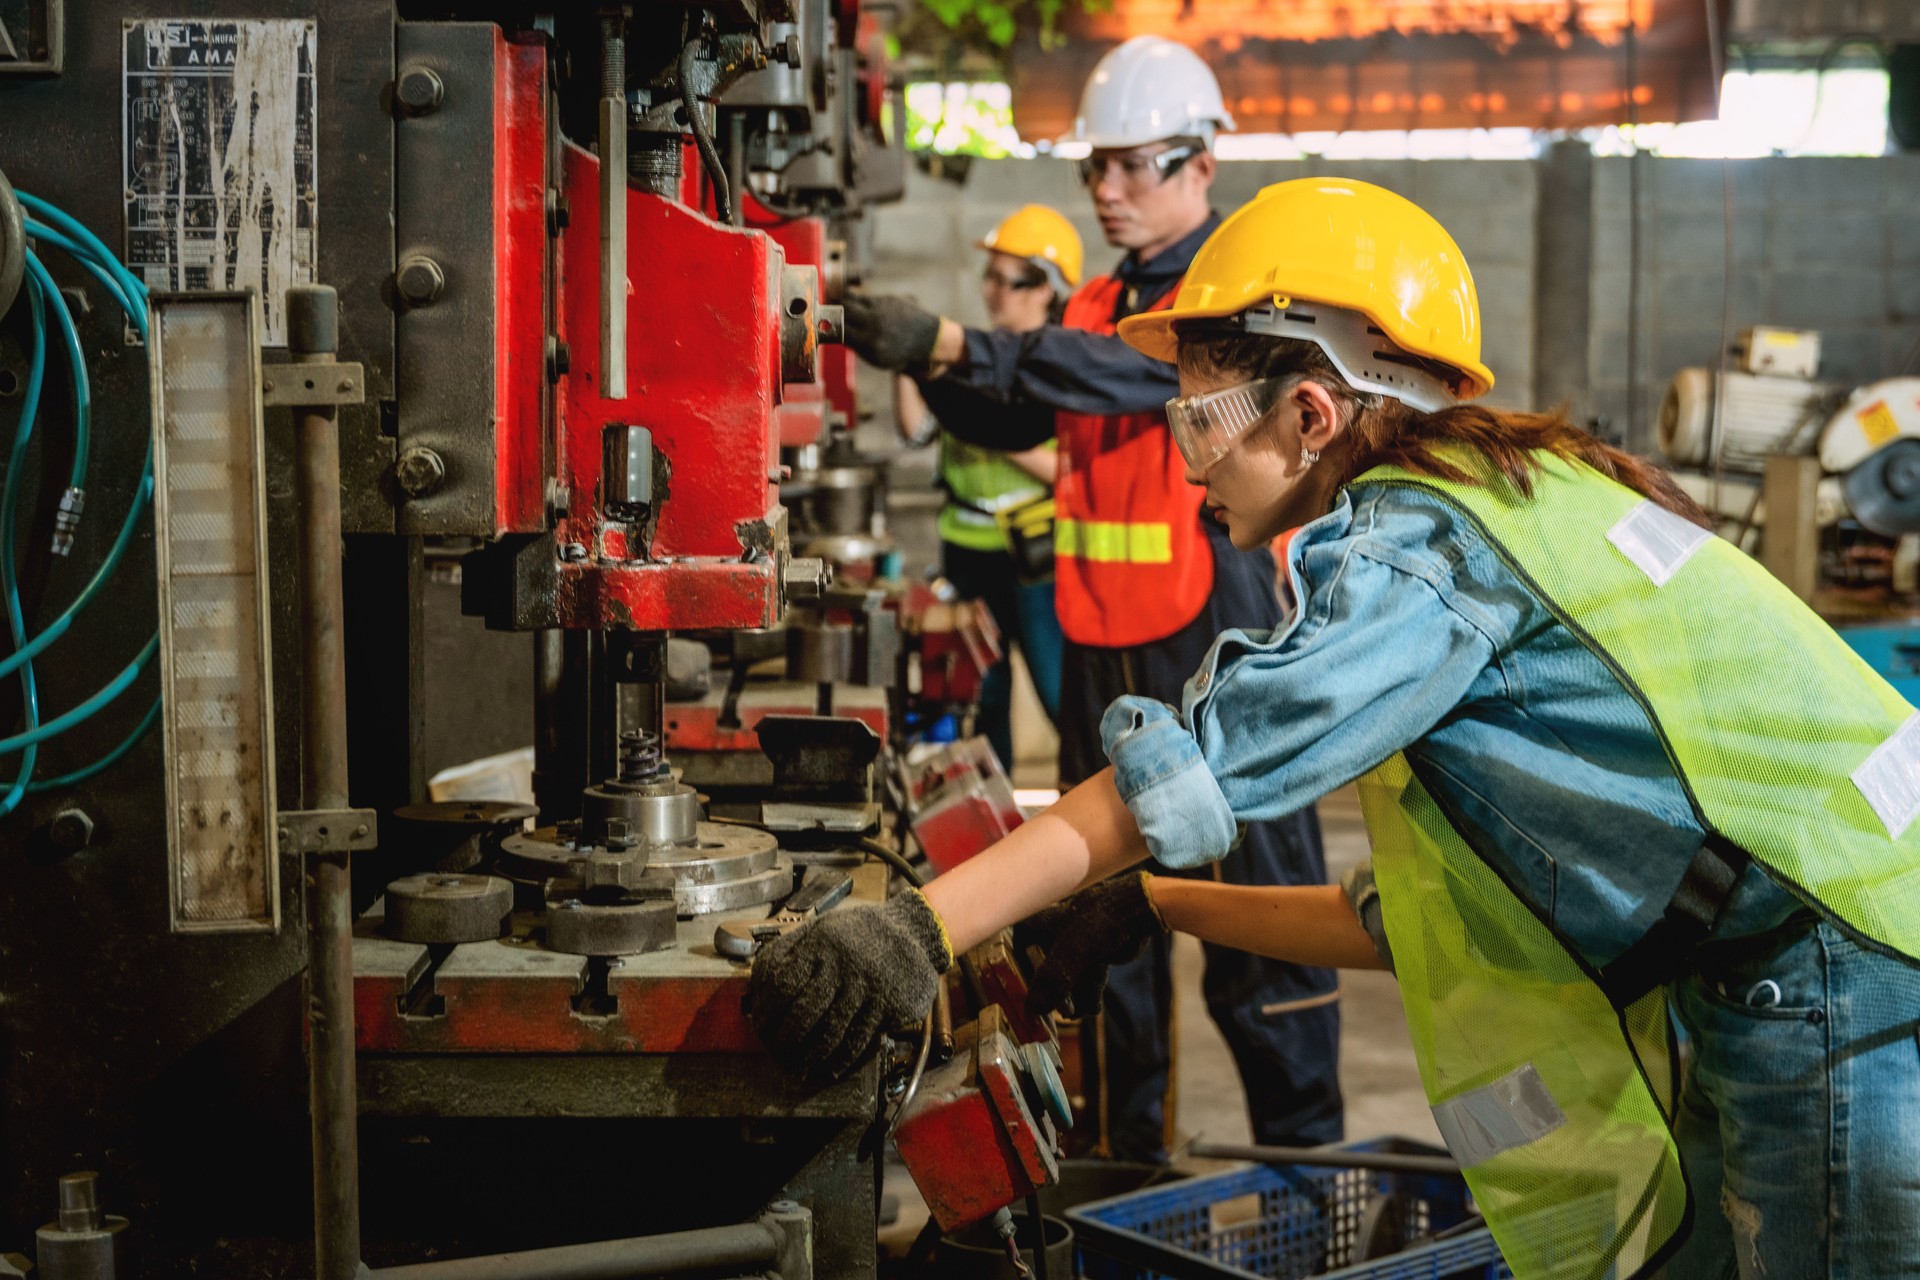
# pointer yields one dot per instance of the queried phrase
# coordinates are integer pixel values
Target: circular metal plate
(484, 813)
(438, 908)
(727, 868)
(620, 929)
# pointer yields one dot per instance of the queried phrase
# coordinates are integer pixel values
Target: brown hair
(1385, 431)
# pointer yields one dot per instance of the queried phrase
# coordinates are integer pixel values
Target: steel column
(313, 331)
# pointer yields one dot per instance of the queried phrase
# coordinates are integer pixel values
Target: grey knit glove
(822, 996)
(889, 332)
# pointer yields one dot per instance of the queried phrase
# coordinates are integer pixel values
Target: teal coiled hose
(50, 227)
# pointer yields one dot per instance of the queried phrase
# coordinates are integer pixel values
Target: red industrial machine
(574, 339)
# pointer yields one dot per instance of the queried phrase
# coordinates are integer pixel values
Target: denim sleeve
(1160, 774)
(1068, 369)
(1376, 658)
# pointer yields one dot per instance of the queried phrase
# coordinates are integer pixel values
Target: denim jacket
(1408, 633)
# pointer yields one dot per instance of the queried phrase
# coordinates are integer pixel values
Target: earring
(1308, 456)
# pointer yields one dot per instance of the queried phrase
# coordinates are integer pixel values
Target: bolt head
(71, 829)
(419, 471)
(419, 281)
(418, 91)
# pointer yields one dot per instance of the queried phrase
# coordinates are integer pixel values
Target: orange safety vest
(1132, 563)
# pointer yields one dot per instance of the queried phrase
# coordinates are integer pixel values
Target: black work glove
(889, 332)
(822, 996)
(1109, 924)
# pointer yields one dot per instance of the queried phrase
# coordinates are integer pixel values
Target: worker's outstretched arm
(1086, 837)
(1303, 924)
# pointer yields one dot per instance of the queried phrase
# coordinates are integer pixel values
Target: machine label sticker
(1877, 423)
(1657, 541)
(1890, 779)
(218, 169)
(1510, 1112)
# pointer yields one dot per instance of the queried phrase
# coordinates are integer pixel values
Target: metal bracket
(328, 830)
(303, 385)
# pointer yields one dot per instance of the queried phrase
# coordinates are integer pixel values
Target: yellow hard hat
(1339, 244)
(1043, 237)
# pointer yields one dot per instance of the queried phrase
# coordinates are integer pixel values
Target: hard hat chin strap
(1365, 357)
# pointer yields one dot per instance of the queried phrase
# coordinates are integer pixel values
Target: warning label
(218, 162)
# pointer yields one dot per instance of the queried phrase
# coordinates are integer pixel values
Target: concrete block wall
(1821, 243)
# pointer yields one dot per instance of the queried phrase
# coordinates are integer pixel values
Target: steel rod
(312, 315)
(1330, 1157)
(749, 1246)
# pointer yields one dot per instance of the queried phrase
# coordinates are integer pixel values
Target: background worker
(1613, 772)
(1144, 580)
(1033, 263)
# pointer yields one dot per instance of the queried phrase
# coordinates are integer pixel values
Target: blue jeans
(1799, 1123)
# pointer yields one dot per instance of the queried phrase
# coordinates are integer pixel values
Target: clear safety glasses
(1206, 426)
(1136, 170)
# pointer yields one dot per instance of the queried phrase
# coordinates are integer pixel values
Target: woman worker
(1615, 777)
(1033, 264)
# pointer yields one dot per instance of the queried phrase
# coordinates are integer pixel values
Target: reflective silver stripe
(1511, 1112)
(1657, 541)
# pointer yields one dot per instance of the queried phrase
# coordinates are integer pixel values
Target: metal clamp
(316, 383)
(328, 830)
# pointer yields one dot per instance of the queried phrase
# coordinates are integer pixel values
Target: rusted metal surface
(513, 996)
(717, 723)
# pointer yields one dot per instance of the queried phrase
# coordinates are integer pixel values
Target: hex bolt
(419, 471)
(419, 281)
(71, 829)
(419, 91)
(787, 52)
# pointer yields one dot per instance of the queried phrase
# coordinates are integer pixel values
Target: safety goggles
(1135, 169)
(1034, 278)
(1206, 426)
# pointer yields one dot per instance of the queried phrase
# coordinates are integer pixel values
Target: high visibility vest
(1552, 1077)
(982, 483)
(1131, 560)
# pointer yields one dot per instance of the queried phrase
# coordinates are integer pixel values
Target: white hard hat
(1148, 89)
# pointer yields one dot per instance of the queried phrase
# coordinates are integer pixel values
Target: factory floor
(1377, 1071)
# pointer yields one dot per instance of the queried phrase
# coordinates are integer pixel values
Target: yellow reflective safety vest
(1554, 1080)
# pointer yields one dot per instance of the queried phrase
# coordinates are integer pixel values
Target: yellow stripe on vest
(1114, 541)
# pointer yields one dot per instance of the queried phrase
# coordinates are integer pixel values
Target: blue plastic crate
(1283, 1223)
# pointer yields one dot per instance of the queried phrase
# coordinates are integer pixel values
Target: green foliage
(989, 27)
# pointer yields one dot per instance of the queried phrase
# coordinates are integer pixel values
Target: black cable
(1039, 1237)
(894, 859)
(703, 137)
(920, 1255)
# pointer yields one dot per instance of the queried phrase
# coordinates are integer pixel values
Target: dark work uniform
(1281, 1021)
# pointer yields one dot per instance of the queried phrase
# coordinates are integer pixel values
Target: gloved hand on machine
(822, 996)
(889, 332)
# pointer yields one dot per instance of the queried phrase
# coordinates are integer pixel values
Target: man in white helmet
(1145, 577)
